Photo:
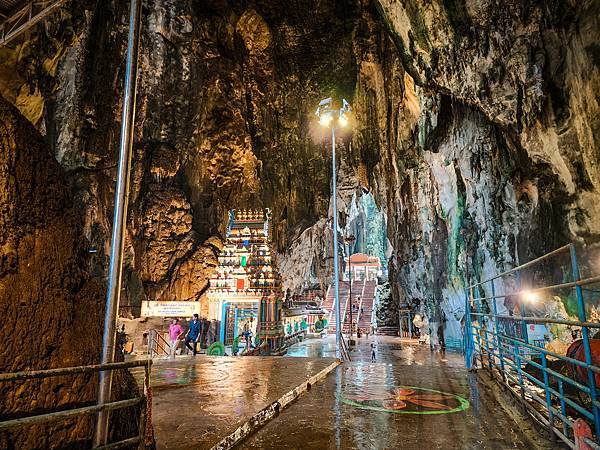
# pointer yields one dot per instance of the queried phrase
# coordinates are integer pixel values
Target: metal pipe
(584, 282)
(123, 444)
(119, 219)
(547, 391)
(497, 327)
(60, 415)
(32, 374)
(468, 333)
(526, 265)
(484, 336)
(336, 281)
(563, 406)
(585, 335)
(543, 320)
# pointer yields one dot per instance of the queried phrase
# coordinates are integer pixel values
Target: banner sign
(170, 309)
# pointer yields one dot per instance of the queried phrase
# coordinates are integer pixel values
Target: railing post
(522, 309)
(548, 398)
(481, 326)
(519, 371)
(497, 330)
(145, 416)
(468, 332)
(586, 340)
(151, 343)
(563, 405)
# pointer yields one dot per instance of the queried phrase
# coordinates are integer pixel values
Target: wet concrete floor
(410, 398)
(198, 401)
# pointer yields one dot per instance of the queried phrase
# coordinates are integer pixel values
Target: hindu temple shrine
(245, 293)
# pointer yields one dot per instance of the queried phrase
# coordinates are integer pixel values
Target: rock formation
(52, 309)
(475, 130)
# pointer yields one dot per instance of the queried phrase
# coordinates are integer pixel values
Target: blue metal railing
(559, 390)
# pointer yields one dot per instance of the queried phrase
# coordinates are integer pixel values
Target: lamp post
(113, 293)
(330, 117)
(350, 243)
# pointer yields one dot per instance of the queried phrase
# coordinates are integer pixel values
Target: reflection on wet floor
(409, 398)
(388, 349)
(198, 401)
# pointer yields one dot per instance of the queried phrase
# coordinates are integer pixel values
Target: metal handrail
(553, 287)
(46, 373)
(75, 412)
(507, 352)
(541, 320)
(49, 417)
(154, 338)
(525, 265)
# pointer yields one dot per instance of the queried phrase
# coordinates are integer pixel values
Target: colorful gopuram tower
(245, 291)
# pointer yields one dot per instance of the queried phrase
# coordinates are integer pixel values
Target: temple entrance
(237, 317)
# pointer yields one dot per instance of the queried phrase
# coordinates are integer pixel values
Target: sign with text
(170, 309)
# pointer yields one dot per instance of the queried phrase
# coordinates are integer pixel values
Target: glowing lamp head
(325, 119)
(531, 297)
(327, 113)
(343, 120)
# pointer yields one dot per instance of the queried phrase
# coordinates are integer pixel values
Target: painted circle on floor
(408, 400)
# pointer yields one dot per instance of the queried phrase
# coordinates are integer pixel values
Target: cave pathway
(410, 398)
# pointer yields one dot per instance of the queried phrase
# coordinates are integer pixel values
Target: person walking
(246, 334)
(373, 356)
(193, 334)
(175, 333)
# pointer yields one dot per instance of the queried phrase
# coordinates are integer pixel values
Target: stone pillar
(270, 325)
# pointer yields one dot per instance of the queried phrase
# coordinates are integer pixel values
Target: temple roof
(364, 259)
(253, 219)
(245, 267)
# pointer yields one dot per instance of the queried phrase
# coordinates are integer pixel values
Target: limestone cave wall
(51, 307)
(502, 162)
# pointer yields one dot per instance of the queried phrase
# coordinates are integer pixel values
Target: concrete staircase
(358, 288)
(363, 289)
(328, 303)
(368, 302)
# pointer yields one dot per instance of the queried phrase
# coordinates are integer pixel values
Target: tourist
(373, 356)
(246, 334)
(121, 339)
(193, 334)
(204, 322)
(175, 332)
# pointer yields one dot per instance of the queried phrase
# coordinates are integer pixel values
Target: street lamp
(350, 243)
(332, 117)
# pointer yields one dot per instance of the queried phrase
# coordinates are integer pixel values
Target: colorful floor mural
(409, 400)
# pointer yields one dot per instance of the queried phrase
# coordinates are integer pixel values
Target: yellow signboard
(170, 309)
